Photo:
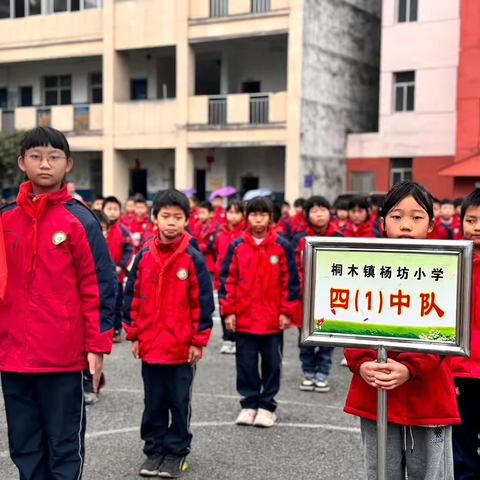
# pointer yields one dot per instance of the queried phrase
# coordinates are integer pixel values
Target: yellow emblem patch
(274, 260)
(182, 274)
(59, 237)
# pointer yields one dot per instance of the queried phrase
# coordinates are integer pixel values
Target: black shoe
(117, 336)
(151, 466)
(173, 467)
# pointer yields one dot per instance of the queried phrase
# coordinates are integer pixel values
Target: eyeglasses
(51, 159)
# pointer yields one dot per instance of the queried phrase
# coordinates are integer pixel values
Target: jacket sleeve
(419, 364)
(356, 357)
(127, 248)
(227, 293)
(132, 299)
(95, 281)
(289, 280)
(200, 294)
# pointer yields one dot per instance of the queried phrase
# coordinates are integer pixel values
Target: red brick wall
(425, 171)
(381, 167)
(464, 186)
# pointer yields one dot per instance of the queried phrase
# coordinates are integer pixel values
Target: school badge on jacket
(58, 238)
(182, 274)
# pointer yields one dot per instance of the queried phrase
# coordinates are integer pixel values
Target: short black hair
(458, 202)
(43, 137)
(112, 200)
(446, 201)
(341, 205)
(217, 196)
(193, 198)
(286, 203)
(237, 205)
(98, 198)
(359, 202)
(131, 199)
(473, 200)
(299, 202)
(405, 189)
(101, 217)
(206, 205)
(141, 200)
(277, 213)
(171, 198)
(260, 204)
(316, 201)
(435, 200)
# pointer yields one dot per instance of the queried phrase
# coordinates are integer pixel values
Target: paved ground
(313, 440)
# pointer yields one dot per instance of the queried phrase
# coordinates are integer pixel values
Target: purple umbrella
(189, 191)
(223, 192)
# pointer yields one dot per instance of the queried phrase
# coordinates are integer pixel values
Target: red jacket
(222, 241)
(205, 235)
(440, 231)
(456, 228)
(168, 301)
(61, 291)
(219, 215)
(364, 230)
(285, 227)
(193, 220)
(120, 247)
(140, 225)
(470, 367)
(428, 398)
(259, 282)
(126, 219)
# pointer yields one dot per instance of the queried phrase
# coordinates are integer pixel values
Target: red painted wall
(464, 186)
(425, 172)
(468, 102)
(381, 167)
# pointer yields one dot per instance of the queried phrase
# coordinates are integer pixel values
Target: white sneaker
(233, 348)
(226, 348)
(264, 419)
(321, 383)
(246, 417)
(344, 363)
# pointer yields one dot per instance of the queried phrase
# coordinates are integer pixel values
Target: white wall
(80, 173)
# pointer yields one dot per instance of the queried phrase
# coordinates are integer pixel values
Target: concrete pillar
(225, 70)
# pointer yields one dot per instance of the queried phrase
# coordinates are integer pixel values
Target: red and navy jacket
(364, 230)
(440, 231)
(120, 247)
(456, 228)
(127, 219)
(205, 235)
(427, 398)
(193, 220)
(168, 301)
(259, 282)
(140, 225)
(285, 227)
(219, 215)
(61, 287)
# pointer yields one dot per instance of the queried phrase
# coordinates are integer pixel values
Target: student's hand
(194, 355)
(283, 322)
(368, 370)
(135, 353)
(95, 365)
(231, 322)
(119, 270)
(391, 375)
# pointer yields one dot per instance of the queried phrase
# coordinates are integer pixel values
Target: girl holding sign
(421, 394)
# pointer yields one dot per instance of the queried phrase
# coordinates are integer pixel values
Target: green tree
(10, 174)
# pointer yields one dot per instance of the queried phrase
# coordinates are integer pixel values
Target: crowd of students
(155, 275)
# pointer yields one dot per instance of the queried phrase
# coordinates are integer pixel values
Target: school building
(429, 114)
(194, 93)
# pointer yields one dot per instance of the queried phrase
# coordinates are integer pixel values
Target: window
(138, 89)
(362, 182)
(4, 8)
(3, 98)
(400, 169)
(26, 96)
(407, 11)
(404, 91)
(96, 88)
(58, 90)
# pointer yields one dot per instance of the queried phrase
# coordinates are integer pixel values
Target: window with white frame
(407, 11)
(96, 88)
(400, 169)
(404, 90)
(58, 90)
(27, 8)
(57, 6)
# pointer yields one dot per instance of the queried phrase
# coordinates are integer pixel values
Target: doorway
(138, 182)
(249, 183)
(200, 184)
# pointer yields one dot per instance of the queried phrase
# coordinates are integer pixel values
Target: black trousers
(259, 391)
(46, 424)
(168, 391)
(118, 308)
(465, 435)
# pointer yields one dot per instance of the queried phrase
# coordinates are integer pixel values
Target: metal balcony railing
(44, 117)
(8, 120)
(218, 8)
(259, 104)
(217, 110)
(81, 118)
(260, 6)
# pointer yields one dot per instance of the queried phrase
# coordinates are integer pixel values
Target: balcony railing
(260, 6)
(217, 110)
(218, 8)
(259, 104)
(81, 119)
(44, 116)
(8, 120)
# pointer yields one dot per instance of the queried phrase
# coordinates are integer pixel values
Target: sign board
(405, 295)
(308, 181)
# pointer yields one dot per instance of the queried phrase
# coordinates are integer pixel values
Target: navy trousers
(465, 435)
(258, 391)
(46, 424)
(228, 336)
(117, 325)
(168, 391)
(316, 359)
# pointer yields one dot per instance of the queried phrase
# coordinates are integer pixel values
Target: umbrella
(223, 192)
(189, 191)
(260, 192)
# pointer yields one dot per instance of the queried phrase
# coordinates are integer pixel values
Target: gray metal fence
(260, 6)
(217, 110)
(8, 120)
(259, 108)
(218, 8)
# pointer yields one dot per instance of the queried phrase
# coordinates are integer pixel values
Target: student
(193, 220)
(140, 222)
(205, 233)
(282, 223)
(458, 202)
(97, 204)
(440, 231)
(297, 223)
(467, 370)
(129, 215)
(359, 224)
(285, 208)
(316, 361)
(447, 214)
(168, 318)
(259, 292)
(227, 233)
(218, 210)
(421, 395)
(341, 211)
(55, 247)
(150, 233)
(120, 247)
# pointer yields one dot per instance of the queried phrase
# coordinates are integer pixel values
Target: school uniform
(456, 228)
(219, 215)
(258, 282)
(285, 227)
(364, 230)
(193, 220)
(126, 219)
(168, 307)
(58, 306)
(205, 235)
(467, 380)
(140, 225)
(120, 247)
(440, 231)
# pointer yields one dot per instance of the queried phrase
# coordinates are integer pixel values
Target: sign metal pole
(382, 425)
